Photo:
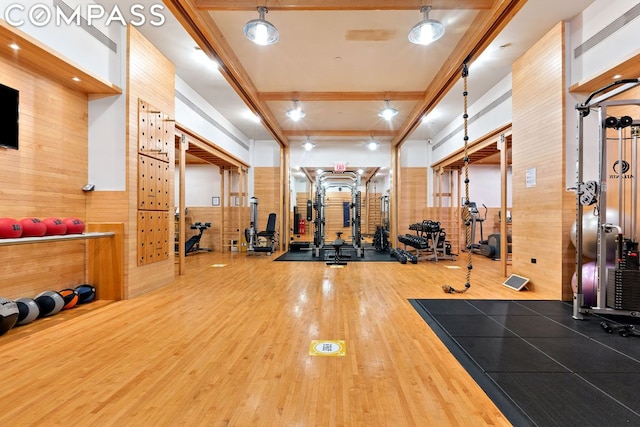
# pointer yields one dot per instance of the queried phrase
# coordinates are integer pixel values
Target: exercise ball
(28, 310)
(8, 315)
(55, 226)
(589, 283)
(70, 297)
(10, 228)
(74, 225)
(86, 293)
(590, 236)
(33, 227)
(49, 303)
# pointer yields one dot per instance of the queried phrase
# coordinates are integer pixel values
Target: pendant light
(426, 31)
(261, 31)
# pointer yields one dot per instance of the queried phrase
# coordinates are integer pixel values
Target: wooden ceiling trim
(339, 133)
(342, 4)
(341, 96)
(627, 69)
(209, 38)
(483, 147)
(207, 150)
(484, 29)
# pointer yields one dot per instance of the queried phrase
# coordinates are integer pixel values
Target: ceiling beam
(341, 96)
(368, 176)
(484, 29)
(209, 38)
(339, 133)
(342, 4)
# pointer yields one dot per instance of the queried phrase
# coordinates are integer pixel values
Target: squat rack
(350, 180)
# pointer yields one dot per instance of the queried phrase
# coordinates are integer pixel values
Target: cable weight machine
(618, 285)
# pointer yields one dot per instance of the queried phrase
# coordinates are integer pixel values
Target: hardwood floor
(230, 346)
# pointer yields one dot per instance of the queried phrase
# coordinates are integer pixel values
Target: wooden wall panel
(543, 213)
(372, 208)
(449, 219)
(301, 203)
(211, 238)
(333, 212)
(412, 199)
(44, 179)
(266, 187)
(150, 77)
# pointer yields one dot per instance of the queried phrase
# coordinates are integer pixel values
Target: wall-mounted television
(9, 117)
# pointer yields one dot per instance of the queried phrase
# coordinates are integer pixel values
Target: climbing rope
(466, 215)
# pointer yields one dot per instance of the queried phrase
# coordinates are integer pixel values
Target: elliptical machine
(474, 215)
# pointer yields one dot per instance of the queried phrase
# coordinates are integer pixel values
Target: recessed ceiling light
(617, 76)
(75, 79)
(247, 114)
(14, 46)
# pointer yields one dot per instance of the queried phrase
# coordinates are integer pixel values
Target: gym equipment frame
(595, 193)
(350, 180)
(252, 234)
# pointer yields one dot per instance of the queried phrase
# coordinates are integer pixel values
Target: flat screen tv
(9, 110)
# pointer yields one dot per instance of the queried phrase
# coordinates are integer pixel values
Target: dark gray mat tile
(548, 308)
(504, 308)
(563, 400)
(436, 307)
(623, 387)
(507, 355)
(472, 326)
(589, 326)
(534, 326)
(585, 355)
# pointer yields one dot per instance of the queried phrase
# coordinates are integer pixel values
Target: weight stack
(623, 289)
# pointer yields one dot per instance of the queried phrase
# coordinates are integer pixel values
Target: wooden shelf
(45, 61)
(44, 239)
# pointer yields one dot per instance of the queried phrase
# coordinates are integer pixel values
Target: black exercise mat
(540, 366)
(326, 255)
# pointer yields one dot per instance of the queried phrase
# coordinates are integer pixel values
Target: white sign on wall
(531, 178)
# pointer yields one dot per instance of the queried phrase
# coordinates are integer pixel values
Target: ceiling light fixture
(261, 31)
(308, 145)
(373, 145)
(296, 113)
(426, 31)
(387, 112)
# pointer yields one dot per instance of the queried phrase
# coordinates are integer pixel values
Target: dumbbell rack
(427, 241)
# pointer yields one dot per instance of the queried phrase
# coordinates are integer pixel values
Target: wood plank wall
(266, 187)
(372, 207)
(542, 214)
(210, 237)
(43, 179)
(301, 203)
(333, 212)
(150, 77)
(412, 199)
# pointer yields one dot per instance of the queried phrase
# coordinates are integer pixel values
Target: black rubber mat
(326, 255)
(540, 366)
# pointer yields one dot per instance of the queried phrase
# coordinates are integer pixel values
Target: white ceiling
(332, 52)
